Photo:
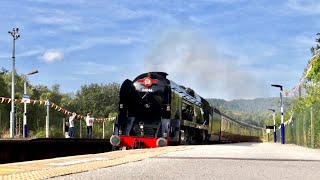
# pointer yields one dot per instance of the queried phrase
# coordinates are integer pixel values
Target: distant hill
(251, 111)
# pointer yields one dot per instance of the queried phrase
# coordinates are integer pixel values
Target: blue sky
(227, 49)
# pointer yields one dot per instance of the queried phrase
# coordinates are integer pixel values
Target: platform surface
(42, 169)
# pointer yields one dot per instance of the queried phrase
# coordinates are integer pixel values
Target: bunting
(4, 100)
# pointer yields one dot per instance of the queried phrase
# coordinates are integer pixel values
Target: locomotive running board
(193, 125)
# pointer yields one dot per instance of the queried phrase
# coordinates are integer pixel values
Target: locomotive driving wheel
(205, 137)
(182, 137)
(188, 136)
(185, 138)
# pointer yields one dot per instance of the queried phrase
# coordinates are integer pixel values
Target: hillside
(252, 111)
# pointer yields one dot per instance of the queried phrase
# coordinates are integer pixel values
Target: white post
(63, 126)
(0, 122)
(103, 129)
(274, 127)
(80, 129)
(25, 112)
(15, 36)
(47, 119)
(282, 131)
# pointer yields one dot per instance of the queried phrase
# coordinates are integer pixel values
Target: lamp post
(274, 125)
(282, 136)
(15, 35)
(25, 126)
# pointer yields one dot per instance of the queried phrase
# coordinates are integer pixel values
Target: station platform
(43, 169)
(18, 150)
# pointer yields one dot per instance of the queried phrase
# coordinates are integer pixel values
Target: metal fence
(303, 128)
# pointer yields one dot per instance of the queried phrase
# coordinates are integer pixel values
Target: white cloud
(93, 41)
(52, 56)
(93, 68)
(305, 6)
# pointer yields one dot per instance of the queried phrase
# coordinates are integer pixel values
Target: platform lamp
(274, 125)
(25, 126)
(282, 135)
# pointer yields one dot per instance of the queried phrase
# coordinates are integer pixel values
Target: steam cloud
(191, 61)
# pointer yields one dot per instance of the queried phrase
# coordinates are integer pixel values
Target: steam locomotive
(155, 111)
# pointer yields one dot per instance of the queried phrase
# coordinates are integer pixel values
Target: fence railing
(303, 128)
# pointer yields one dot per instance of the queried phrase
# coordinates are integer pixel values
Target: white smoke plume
(192, 61)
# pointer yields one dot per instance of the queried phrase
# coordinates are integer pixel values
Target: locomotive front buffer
(132, 142)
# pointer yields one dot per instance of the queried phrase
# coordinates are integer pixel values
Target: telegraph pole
(15, 35)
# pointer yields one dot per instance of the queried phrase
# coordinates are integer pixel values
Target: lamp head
(276, 85)
(32, 72)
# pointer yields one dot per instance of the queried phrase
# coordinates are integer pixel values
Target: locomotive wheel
(189, 137)
(182, 137)
(205, 138)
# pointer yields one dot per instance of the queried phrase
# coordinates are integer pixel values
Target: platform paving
(43, 169)
(220, 161)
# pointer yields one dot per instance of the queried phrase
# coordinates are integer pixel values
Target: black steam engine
(155, 112)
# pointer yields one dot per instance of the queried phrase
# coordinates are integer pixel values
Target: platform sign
(25, 98)
(269, 127)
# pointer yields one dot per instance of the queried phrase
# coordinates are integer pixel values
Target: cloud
(305, 6)
(93, 68)
(93, 41)
(52, 56)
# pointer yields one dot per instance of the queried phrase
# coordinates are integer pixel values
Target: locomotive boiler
(155, 111)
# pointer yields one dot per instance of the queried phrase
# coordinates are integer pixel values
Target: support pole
(63, 126)
(312, 127)
(47, 119)
(0, 123)
(103, 129)
(282, 124)
(274, 127)
(80, 129)
(25, 134)
(15, 36)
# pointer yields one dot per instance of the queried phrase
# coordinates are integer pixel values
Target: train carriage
(155, 111)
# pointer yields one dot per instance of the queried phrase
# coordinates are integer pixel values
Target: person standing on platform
(89, 123)
(71, 124)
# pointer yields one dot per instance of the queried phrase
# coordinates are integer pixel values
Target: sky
(226, 49)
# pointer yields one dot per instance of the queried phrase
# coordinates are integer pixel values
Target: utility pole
(15, 35)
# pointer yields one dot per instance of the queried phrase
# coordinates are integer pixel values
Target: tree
(100, 100)
(317, 47)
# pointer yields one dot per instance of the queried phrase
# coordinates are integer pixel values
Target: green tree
(100, 100)
(317, 47)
